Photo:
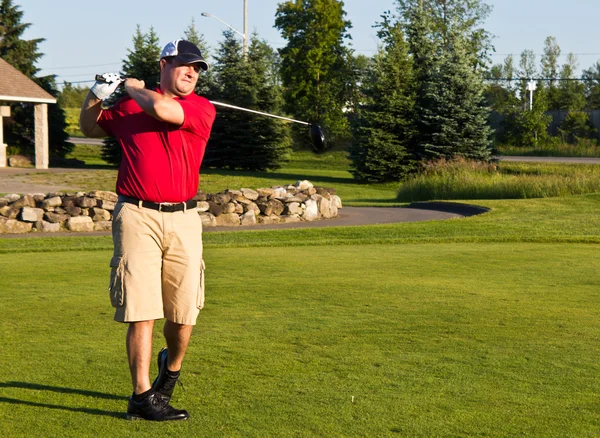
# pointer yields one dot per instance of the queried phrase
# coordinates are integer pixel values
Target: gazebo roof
(16, 87)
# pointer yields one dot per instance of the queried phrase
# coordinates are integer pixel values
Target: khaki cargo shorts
(157, 269)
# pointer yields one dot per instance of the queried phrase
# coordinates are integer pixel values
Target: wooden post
(42, 156)
(4, 112)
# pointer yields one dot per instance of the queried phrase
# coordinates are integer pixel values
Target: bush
(577, 126)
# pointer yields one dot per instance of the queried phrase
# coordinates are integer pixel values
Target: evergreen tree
(315, 63)
(240, 140)
(206, 81)
(23, 55)
(384, 122)
(142, 64)
(570, 91)
(448, 49)
(550, 71)
(591, 81)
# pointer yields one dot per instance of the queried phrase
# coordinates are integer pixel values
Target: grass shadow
(38, 387)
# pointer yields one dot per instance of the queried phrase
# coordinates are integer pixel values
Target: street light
(243, 35)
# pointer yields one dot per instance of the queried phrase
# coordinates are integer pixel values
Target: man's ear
(162, 63)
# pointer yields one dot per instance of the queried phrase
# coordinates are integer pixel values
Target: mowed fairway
(446, 339)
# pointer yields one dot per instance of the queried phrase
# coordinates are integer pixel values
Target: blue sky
(85, 37)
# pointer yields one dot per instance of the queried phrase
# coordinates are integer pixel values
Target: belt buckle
(160, 205)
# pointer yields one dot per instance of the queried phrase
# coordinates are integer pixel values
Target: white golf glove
(106, 84)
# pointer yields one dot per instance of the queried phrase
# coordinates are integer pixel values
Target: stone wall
(92, 211)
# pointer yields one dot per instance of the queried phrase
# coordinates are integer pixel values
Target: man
(157, 268)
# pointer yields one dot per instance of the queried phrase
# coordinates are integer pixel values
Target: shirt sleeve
(199, 115)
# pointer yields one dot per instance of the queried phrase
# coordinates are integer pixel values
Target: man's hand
(106, 85)
(134, 84)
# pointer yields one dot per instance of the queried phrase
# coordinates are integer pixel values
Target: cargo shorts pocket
(200, 297)
(116, 286)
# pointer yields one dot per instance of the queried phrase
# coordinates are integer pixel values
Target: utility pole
(246, 29)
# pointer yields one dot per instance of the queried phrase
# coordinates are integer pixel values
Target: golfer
(157, 270)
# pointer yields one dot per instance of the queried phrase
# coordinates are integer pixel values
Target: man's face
(178, 79)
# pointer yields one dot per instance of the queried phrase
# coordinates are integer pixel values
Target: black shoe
(154, 408)
(164, 384)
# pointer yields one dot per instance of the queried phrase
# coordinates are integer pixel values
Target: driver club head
(317, 137)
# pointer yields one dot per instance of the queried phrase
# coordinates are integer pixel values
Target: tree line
(426, 95)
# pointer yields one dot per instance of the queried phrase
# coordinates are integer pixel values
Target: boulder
(250, 194)
(55, 218)
(86, 202)
(99, 214)
(73, 211)
(13, 226)
(266, 193)
(200, 196)
(20, 161)
(272, 206)
(248, 218)
(221, 198)
(304, 185)
(3, 202)
(336, 201)
(215, 208)
(103, 226)
(203, 206)
(208, 219)
(51, 203)
(228, 220)
(106, 205)
(229, 208)
(12, 197)
(25, 201)
(80, 223)
(10, 212)
(49, 227)
(292, 208)
(311, 212)
(104, 196)
(29, 214)
(289, 219)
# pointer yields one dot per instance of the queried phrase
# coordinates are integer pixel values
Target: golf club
(316, 133)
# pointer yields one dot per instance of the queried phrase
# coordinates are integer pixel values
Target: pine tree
(206, 81)
(315, 63)
(383, 126)
(23, 55)
(240, 140)
(449, 51)
(591, 81)
(142, 64)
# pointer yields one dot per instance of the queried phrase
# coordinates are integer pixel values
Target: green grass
(586, 148)
(508, 180)
(427, 340)
(89, 154)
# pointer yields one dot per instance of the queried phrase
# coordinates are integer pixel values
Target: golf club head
(317, 137)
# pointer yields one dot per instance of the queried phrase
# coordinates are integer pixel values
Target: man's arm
(88, 117)
(159, 106)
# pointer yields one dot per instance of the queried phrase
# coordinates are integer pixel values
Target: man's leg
(139, 353)
(177, 337)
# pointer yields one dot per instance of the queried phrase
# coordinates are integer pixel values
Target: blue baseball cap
(186, 52)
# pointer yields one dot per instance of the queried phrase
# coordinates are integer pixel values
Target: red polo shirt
(161, 161)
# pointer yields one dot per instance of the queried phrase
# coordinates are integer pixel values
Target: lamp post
(243, 35)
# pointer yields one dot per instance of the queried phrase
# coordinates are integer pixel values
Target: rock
(239, 209)
(248, 218)
(336, 201)
(86, 202)
(29, 214)
(200, 196)
(106, 205)
(12, 197)
(303, 185)
(250, 194)
(73, 211)
(272, 206)
(80, 223)
(220, 198)
(229, 208)
(215, 208)
(325, 191)
(68, 201)
(20, 161)
(208, 219)
(279, 192)
(266, 193)
(292, 218)
(104, 196)
(253, 208)
(10, 212)
(3, 202)
(25, 201)
(203, 206)
(265, 220)
(228, 220)
(50, 203)
(55, 218)
(13, 226)
(103, 226)
(49, 227)
(99, 214)
(292, 208)
(311, 211)
(60, 210)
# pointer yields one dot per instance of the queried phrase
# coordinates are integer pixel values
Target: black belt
(167, 208)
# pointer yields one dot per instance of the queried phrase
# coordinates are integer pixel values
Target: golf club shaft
(258, 112)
